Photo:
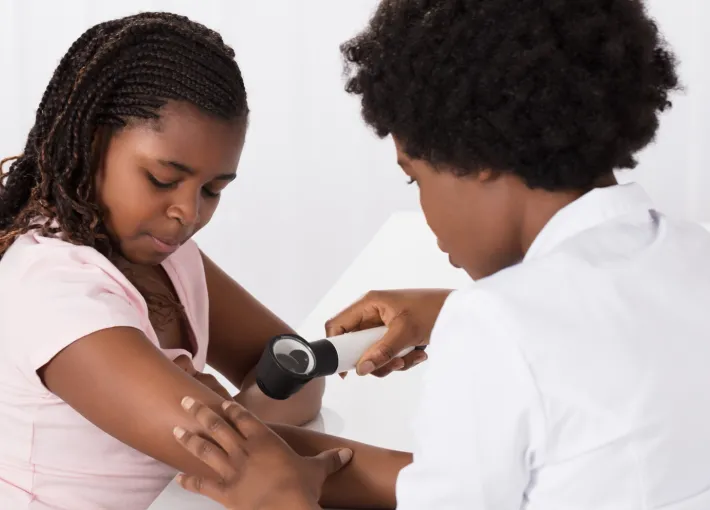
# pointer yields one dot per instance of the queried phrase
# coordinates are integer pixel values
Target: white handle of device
(351, 346)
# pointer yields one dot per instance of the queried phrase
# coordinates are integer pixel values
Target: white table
(403, 254)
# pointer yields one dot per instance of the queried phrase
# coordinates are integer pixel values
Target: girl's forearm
(368, 481)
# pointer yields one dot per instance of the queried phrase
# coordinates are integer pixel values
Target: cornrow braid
(116, 71)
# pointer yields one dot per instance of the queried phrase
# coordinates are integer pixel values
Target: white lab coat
(578, 379)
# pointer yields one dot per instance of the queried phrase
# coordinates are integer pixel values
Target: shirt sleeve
(481, 425)
(57, 304)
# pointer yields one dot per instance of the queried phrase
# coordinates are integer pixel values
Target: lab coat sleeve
(480, 429)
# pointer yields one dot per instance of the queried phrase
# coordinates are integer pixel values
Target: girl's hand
(257, 469)
(410, 316)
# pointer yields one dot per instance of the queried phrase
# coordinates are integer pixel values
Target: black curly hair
(115, 73)
(557, 92)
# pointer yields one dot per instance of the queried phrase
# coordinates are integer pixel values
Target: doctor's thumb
(332, 461)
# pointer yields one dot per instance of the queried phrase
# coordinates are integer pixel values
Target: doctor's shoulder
(523, 303)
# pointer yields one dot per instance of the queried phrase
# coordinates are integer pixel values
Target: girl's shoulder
(54, 293)
(34, 259)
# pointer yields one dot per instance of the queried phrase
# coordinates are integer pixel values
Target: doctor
(574, 373)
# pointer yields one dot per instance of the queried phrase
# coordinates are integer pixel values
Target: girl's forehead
(188, 134)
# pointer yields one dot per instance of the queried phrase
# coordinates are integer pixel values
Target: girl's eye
(160, 184)
(210, 194)
(169, 185)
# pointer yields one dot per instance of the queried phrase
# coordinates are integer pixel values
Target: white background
(315, 184)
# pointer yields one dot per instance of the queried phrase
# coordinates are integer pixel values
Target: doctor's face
(476, 218)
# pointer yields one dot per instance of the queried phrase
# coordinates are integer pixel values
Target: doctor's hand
(409, 315)
(257, 469)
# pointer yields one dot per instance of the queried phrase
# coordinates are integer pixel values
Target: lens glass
(294, 355)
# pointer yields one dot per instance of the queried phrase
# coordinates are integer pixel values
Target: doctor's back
(578, 379)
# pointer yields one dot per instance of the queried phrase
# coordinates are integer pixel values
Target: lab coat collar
(588, 211)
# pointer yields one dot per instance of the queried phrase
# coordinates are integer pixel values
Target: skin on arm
(122, 383)
(125, 386)
(240, 327)
(367, 481)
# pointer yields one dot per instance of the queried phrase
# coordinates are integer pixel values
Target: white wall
(676, 170)
(310, 165)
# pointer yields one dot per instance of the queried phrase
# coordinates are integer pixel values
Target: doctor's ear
(487, 175)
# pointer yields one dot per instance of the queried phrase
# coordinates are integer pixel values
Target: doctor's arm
(481, 423)
(240, 327)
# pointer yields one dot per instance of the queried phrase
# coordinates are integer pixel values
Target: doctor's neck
(544, 205)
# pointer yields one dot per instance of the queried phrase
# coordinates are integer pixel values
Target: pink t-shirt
(51, 294)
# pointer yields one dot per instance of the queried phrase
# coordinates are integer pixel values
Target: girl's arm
(368, 481)
(240, 327)
(118, 380)
(253, 451)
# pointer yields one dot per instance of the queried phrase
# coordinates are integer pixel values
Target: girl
(104, 316)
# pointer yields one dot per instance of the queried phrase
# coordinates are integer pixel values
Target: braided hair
(117, 71)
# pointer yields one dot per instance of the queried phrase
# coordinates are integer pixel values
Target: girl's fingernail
(188, 402)
(179, 432)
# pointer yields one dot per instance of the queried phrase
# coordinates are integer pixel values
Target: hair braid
(116, 71)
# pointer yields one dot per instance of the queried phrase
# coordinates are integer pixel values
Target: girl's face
(159, 182)
(477, 219)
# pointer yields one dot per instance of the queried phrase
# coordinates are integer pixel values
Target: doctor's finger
(209, 453)
(213, 489)
(399, 336)
(229, 439)
(395, 365)
(365, 313)
(246, 423)
(413, 359)
(402, 364)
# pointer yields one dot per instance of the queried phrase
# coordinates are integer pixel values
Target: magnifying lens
(289, 362)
